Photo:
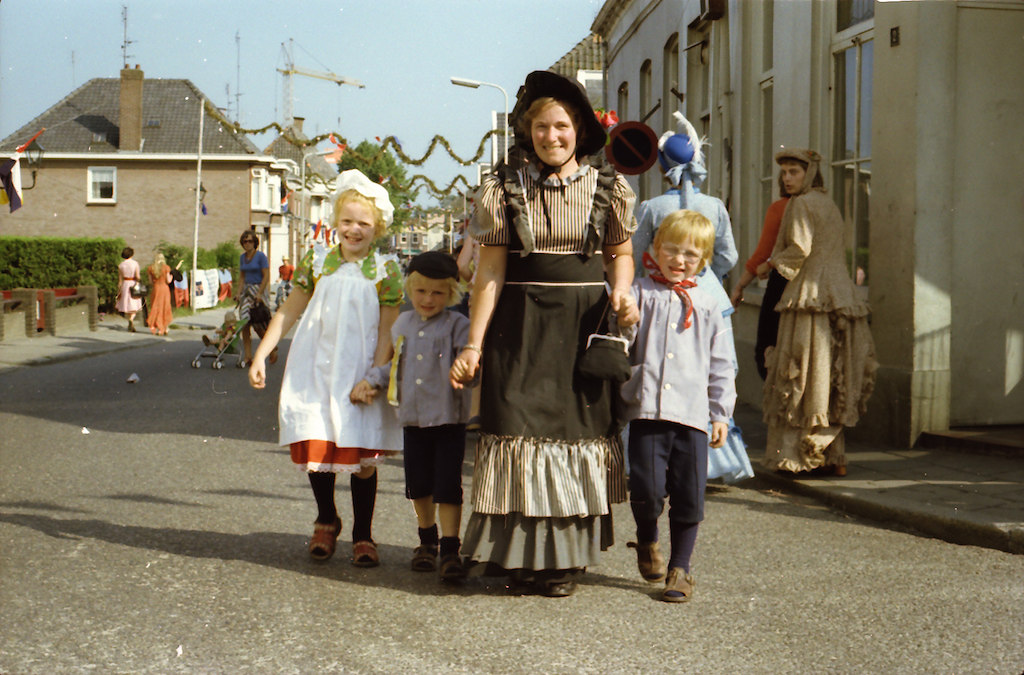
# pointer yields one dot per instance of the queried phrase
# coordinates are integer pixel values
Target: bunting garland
(415, 184)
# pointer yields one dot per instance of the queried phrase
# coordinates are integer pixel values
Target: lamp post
(475, 84)
(34, 159)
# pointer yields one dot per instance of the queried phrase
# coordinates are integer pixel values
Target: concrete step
(1006, 440)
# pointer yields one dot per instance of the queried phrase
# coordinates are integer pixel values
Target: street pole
(199, 184)
(474, 84)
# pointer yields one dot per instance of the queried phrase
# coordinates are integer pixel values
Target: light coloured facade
(916, 108)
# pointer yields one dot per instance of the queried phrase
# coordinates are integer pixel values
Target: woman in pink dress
(159, 296)
(128, 274)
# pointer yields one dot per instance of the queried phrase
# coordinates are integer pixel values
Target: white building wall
(946, 273)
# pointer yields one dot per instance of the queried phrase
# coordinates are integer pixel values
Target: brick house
(121, 160)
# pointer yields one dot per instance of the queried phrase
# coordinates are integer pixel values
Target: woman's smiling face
(554, 137)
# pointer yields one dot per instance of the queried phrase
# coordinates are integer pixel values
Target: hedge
(52, 262)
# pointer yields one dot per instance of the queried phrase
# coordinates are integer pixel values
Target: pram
(212, 351)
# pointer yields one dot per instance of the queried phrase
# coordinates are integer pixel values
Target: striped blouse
(568, 203)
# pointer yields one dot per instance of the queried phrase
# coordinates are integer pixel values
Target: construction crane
(291, 69)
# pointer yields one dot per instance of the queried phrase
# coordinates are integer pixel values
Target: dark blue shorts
(433, 462)
(667, 460)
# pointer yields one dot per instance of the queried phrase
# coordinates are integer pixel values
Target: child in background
(347, 297)
(683, 378)
(224, 332)
(433, 414)
(284, 285)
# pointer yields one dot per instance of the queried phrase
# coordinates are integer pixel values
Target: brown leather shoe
(325, 539)
(678, 586)
(649, 561)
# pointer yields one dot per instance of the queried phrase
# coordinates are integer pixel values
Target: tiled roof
(588, 54)
(293, 144)
(170, 121)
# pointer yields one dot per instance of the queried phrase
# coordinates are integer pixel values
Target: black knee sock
(428, 536)
(322, 483)
(364, 496)
(646, 531)
(684, 538)
(450, 546)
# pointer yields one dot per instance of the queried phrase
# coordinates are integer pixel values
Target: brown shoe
(424, 559)
(648, 559)
(364, 554)
(325, 539)
(678, 586)
(452, 568)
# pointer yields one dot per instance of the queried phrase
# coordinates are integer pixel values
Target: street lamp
(34, 159)
(475, 84)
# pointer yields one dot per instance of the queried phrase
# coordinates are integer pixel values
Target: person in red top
(758, 266)
(284, 286)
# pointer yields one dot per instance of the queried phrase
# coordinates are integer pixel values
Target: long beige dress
(822, 370)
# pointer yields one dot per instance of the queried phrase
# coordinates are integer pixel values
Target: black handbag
(259, 313)
(137, 290)
(606, 356)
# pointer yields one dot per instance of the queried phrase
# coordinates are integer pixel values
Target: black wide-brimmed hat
(590, 137)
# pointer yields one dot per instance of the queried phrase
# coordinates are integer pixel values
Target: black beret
(434, 265)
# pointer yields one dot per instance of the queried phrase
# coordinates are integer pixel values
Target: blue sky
(404, 51)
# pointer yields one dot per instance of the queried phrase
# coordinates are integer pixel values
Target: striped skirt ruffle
(540, 478)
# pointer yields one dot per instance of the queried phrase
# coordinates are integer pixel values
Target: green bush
(224, 254)
(52, 262)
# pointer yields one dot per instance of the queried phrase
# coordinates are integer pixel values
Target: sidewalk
(111, 335)
(964, 497)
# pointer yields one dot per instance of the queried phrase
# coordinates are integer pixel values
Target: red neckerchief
(679, 287)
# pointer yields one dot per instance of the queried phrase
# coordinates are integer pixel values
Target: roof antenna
(126, 41)
(238, 78)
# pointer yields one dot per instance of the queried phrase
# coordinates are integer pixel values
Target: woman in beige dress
(822, 368)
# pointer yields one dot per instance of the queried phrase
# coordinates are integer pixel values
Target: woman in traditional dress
(128, 274)
(821, 370)
(549, 459)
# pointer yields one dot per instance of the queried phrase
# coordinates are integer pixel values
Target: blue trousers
(667, 460)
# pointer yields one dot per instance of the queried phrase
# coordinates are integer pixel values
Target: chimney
(130, 118)
(297, 123)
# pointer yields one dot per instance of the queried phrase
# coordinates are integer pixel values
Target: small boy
(683, 377)
(223, 333)
(433, 414)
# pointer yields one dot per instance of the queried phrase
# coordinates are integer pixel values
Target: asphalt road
(157, 528)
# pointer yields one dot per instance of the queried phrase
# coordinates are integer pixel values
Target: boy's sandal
(649, 560)
(452, 568)
(424, 559)
(325, 539)
(364, 554)
(678, 586)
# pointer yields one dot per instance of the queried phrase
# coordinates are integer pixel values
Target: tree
(384, 168)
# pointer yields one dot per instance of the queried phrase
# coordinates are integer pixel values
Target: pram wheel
(242, 363)
(195, 363)
(217, 365)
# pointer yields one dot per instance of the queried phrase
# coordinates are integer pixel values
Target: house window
(102, 188)
(767, 172)
(645, 108)
(851, 12)
(670, 81)
(260, 191)
(853, 62)
(623, 102)
(698, 80)
(767, 150)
